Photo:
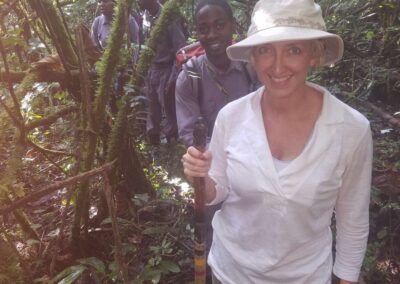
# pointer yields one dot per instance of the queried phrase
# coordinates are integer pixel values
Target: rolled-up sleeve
(219, 160)
(352, 211)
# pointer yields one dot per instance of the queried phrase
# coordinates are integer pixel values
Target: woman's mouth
(279, 80)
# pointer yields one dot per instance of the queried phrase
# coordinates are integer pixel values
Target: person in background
(162, 103)
(101, 27)
(221, 80)
(286, 157)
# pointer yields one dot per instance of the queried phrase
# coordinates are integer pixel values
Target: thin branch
(16, 121)
(48, 151)
(38, 193)
(54, 36)
(363, 8)
(55, 164)
(47, 76)
(359, 53)
(392, 120)
(65, 24)
(31, 20)
(12, 76)
(10, 86)
(50, 119)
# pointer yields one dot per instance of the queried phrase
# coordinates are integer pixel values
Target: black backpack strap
(192, 69)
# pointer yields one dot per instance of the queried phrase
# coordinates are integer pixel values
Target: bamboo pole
(199, 141)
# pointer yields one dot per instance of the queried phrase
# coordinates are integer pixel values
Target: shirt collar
(331, 112)
(234, 65)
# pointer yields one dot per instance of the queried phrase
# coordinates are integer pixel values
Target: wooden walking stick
(199, 141)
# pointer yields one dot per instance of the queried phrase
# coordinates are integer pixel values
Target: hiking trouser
(161, 104)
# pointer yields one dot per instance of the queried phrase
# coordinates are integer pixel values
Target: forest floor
(159, 232)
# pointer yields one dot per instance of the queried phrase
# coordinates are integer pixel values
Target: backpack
(187, 52)
(182, 62)
(185, 59)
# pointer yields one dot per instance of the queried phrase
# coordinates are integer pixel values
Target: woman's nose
(279, 63)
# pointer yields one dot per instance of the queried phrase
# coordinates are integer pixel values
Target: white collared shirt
(274, 227)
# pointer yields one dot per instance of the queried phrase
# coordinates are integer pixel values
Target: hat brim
(241, 51)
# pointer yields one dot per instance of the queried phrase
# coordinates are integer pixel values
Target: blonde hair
(318, 51)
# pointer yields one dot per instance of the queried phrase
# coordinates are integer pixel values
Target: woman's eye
(263, 50)
(294, 50)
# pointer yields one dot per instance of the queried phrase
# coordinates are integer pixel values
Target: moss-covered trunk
(57, 31)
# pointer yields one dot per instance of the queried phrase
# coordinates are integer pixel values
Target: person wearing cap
(285, 158)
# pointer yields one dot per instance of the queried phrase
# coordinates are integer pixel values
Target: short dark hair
(223, 4)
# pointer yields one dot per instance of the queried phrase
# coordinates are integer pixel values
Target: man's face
(214, 30)
(106, 7)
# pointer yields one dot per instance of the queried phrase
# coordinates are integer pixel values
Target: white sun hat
(282, 20)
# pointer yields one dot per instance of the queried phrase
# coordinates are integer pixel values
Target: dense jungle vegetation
(84, 199)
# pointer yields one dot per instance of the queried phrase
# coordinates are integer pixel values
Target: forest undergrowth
(84, 199)
(158, 232)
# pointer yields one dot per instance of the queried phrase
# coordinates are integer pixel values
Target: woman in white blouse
(285, 158)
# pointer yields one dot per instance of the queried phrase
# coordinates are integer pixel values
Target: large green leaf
(169, 266)
(94, 262)
(69, 274)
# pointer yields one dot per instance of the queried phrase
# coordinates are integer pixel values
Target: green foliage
(156, 269)
(368, 71)
(58, 31)
(93, 262)
(371, 58)
(116, 139)
(157, 265)
(26, 84)
(72, 273)
(69, 275)
(143, 66)
(14, 165)
(108, 63)
(157, 240)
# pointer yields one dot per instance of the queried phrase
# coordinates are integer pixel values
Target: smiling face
(282, 67)
(214, 30)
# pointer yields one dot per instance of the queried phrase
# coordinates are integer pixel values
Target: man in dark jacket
(162, 103)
